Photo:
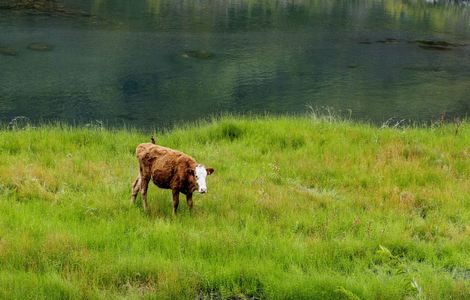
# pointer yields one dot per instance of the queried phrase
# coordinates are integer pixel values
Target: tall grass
(298, 208)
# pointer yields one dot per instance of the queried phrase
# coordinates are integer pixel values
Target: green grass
(298, 208)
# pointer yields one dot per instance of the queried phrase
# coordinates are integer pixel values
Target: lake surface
(154, 63)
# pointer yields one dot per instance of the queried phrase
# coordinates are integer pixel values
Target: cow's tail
(136, 183)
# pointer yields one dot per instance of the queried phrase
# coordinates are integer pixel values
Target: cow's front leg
(189, 201)
(176, 200)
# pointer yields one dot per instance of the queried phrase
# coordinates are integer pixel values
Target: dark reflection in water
(158, 62)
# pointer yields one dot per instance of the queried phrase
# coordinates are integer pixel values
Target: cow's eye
(197, 177)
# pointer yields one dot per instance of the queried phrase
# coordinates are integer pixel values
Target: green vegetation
(297, 208)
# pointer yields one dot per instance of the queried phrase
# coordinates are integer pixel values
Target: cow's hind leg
(144, 184)
(135, 189)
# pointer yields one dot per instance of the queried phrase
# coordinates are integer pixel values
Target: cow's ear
(209, 171)
(190, 171)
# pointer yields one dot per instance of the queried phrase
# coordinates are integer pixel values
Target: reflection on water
(157, 62)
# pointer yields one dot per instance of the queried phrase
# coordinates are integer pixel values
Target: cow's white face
(201, 173)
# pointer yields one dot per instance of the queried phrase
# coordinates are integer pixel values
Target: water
(153, 63)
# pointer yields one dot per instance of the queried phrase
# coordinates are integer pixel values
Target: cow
(168, 169)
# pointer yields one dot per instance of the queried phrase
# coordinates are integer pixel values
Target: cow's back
(148, 151)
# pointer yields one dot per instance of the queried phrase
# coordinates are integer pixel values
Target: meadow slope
(297, 208)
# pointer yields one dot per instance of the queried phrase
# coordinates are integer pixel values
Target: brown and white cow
(168, 169)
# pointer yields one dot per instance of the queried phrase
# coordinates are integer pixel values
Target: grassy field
(298, 208)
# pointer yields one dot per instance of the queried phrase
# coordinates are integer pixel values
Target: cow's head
(200, 174)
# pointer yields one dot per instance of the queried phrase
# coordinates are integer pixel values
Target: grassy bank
(297, 208)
